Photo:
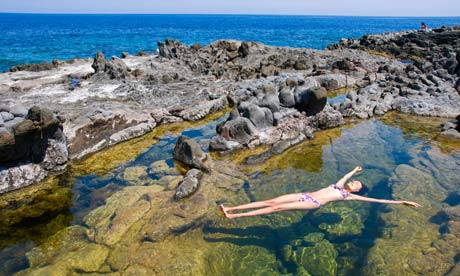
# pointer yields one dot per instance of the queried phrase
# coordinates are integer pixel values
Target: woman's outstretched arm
(345, 178)
(387, 201)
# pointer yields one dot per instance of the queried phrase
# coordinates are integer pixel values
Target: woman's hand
(410, 203)
(358, 169)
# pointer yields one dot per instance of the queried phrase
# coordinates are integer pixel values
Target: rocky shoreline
(278, 95)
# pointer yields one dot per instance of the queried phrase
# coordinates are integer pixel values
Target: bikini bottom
(305, 197)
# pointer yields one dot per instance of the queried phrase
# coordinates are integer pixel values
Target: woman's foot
(224, 211)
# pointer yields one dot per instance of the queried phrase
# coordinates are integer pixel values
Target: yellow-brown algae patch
(106, 160)
(427, 128)
(340, 91)
(33, 201)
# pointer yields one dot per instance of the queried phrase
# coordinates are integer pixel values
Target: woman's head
(353, 186)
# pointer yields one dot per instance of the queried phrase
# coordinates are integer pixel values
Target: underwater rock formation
(189, 184)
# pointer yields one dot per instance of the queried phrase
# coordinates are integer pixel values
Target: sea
(34, 38)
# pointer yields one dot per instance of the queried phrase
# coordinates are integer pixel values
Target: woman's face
(354, 186)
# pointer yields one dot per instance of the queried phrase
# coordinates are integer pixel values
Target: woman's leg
(265, 203)
(275, 208)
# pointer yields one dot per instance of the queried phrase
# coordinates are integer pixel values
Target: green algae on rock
(33, 202)
(319, 258)
(137, 176)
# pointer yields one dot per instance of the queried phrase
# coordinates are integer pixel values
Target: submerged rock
(318, 258)
(189, 184)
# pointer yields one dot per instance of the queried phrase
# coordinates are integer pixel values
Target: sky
(294, 7)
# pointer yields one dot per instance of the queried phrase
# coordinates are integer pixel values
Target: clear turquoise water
(347, 230)
(30, 38)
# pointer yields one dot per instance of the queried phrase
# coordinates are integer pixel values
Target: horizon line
(228, 14)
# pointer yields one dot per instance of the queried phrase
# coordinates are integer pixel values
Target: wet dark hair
(364, 190)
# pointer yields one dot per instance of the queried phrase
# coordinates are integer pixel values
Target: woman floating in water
(307, 201)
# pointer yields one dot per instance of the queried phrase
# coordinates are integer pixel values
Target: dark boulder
(117, 69)
(170, 48)
(189, 184)
(344, 64)
(26, 138)
(190, 153)
(99, 63)
(329, 118)
(286, 97)
(331, 84)
(271, 101)
(243, 50)
(232, 100)
(31, 136)
(261, 117)
(311, 101)
(241, 130)
(301, 65)
(44, 117)
(457, 86)
(7, 142)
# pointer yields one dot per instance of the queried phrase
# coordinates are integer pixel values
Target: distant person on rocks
(342, 190)
(423, 27)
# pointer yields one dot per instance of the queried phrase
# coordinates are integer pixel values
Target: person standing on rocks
(423, 27)
(342, 190)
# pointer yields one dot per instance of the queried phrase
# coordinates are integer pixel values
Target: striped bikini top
(342, 191)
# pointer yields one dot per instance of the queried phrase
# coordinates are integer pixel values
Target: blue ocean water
(33, 38)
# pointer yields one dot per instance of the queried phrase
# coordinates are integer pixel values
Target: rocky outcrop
(282, 116)
(114, 69)
(43, 66)
(235, 59)
(189, 153)
(30, 147)
(278, 94)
